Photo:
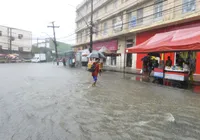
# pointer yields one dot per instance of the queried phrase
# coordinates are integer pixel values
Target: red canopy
(178, 40)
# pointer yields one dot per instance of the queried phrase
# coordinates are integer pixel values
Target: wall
(121, 49)
(25, 41)
(4, 38)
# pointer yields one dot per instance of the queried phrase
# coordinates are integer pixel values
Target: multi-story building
(119, 24)
(14, 40)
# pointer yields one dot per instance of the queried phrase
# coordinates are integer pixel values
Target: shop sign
(111, 45)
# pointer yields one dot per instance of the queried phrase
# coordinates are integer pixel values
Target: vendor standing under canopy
(179, 60)
(169, 62)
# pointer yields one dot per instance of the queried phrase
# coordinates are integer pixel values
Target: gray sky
(35, 15)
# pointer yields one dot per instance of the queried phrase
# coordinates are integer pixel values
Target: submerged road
(46, 102)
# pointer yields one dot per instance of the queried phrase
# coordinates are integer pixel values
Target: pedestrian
(95, 71)
(169, 62)
(64, 61)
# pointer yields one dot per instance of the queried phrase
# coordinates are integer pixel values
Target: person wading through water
(95, 71)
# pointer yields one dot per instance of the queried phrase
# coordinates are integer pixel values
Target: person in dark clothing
(64, 61)
(179, 60)
(169, 62)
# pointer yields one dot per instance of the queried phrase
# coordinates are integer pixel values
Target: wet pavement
(46, 102)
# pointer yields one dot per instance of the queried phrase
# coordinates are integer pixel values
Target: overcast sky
(35, 15)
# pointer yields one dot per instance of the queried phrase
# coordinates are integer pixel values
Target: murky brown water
(41, 102)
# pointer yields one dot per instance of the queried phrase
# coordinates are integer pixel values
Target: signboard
(133, 22)
(111, 45)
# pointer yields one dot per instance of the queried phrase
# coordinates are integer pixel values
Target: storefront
(144, 36)
(179, 51)
(110, 46)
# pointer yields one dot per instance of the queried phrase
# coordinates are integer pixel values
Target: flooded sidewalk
(57, 103)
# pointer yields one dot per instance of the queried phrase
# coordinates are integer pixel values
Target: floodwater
(46, 102)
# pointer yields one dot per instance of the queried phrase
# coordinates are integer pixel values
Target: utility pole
(55, 43)
(91, 28)
(37, 42)
(10, 39)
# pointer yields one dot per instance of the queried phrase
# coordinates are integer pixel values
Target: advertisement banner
(111, 45)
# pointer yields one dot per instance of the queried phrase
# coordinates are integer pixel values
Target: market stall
(183, 42)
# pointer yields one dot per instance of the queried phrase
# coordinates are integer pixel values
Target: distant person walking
(64, 61)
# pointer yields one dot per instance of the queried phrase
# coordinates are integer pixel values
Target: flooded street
(46, 102)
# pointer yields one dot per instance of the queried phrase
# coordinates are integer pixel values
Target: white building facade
(14, 40)
(119, 24)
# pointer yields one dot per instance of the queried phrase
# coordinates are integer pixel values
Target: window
(115, 3)
(132, 20)
(80, 37)
(20, 36)
(0, 33)
(97, 30)
(188, 6)
(117, 24)
(158, 9)
(140, 16)
(96, 14)
(105, 9)
(114, 21)
(85, 35)
(105, 28)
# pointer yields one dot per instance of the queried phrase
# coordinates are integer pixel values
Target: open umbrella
(96, 54)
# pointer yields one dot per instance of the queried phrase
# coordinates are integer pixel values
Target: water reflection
(169, 83)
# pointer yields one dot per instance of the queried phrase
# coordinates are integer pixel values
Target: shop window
(113, 60)
(189, 5)
(158, 9)
(140, 16)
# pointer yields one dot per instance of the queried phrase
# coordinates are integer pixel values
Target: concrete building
(14, 40)
(119, 24)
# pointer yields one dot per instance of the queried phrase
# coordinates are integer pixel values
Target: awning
(107, 52)
(179, 40)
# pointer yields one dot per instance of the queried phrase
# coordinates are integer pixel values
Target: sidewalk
(117, 69)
